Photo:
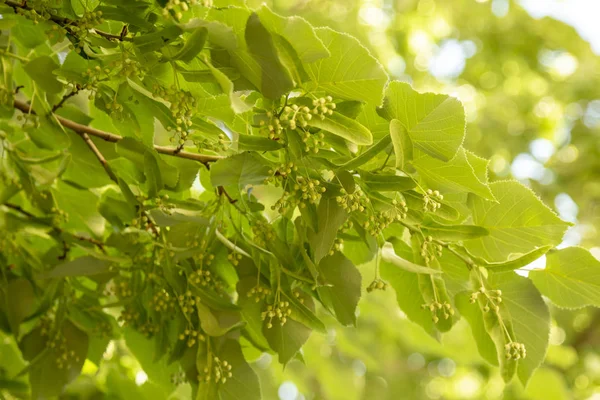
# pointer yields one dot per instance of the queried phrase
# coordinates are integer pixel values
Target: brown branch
(121, 37)
(111, 137)
(99, 156)
(19, 209)
(66, 97)
(221, 190)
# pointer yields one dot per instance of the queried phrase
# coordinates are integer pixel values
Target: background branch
(111, 137)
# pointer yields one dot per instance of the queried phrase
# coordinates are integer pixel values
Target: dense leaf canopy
(206, 182)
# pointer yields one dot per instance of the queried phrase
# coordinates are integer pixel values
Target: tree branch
(66, 97)
(99, 156)
(111, 137)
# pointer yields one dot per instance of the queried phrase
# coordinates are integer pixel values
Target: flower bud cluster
(176, 8)
(234, 258)
(430, 250)
(162, 301)
(272, 127)
(515, 351)
(187, 303)
(377, 284)
(431, 200)
(338, 245)
(323, 106)
(279, 310)
(356, 201)
(263, 232)
(493, 299)
(220, 371)
(191, 336)
(295, 116)
(304, 190)
(259, 293)
(438, 309)
(183, 108)
(64, 357)
(200, 278)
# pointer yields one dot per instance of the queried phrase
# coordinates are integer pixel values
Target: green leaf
(193, 46)
(344, 293)
(239, 170)
(387, 182)
(286, 340)
(403, 147)
(237, 104)
(530, 318)
(157, 40)
(456, 175)
(350, 73)
(46, 379)
(474, 316)
(81, 266)
(453, 233)
(571, 278)
(153, 174)
(152, 362)
(297, 31)
(217, 324)
(275, 78)
(434, 122)
(343, 127)
(244, 383)
(40, 70)
(406, 286)
(389, 255)
(330, 217)
(518, 222)
(19, 302)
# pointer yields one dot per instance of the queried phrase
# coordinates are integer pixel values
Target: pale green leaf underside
(571, 278)
(518, 222)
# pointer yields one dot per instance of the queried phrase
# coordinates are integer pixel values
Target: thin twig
(111, 137)
(99, 156)
(221, 190)
(66, 97)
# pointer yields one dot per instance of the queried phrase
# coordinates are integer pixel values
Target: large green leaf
(330, 217)
(193, 45)
(434, 122)
(350, 73)
(275, 77)
(571, 278)
(343, 294)
(239, 170)
(297, 31)
(40, 70)
(518, 222)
